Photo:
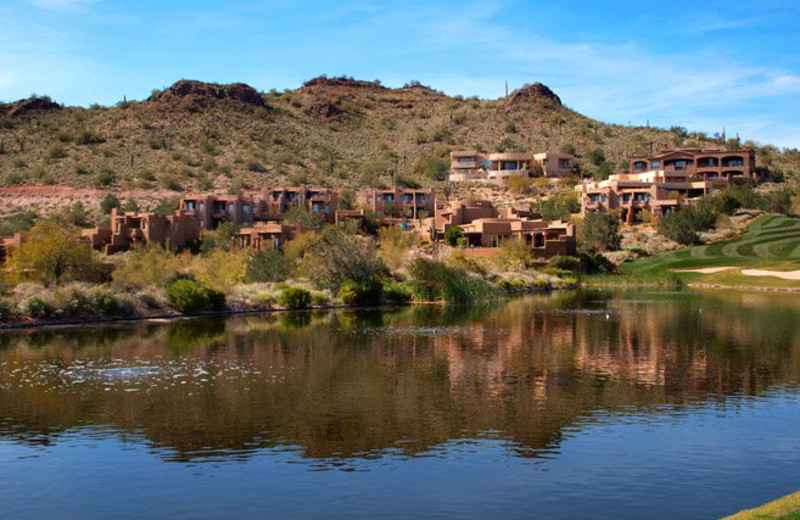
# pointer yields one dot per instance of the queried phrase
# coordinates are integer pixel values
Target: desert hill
(332, 131)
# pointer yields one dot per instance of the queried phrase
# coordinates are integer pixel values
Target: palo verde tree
(53, 252)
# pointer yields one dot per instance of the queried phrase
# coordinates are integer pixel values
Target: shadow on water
(364, 383)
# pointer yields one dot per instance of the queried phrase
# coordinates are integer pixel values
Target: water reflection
(396, 383)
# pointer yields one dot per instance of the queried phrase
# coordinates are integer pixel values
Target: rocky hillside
(332, 131)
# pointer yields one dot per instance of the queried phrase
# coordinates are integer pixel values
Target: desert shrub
(191, 296)
(146, 267)
(104, 179)
(56, 151)
(338, 256)
(560, 206)
(395, 292)
(725, 204)
(36, 307)
(452, 235)
(683, 226)
(108, 304)
(596, 264)
(566, 263)
(221, 269)
(431, 167)
(295, 298)
(6, 308)
(319, 299)
(600, 232)
(515, 254)
(108, 203)
(367, 292)
(17, 222)
(269, 266)
(394, 246)
(85, 137)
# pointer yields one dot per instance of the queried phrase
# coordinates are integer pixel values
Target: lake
(591, 404)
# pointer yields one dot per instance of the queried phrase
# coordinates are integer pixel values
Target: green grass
(786, 508)
(771, 242)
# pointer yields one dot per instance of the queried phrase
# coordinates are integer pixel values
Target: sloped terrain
(331, 131)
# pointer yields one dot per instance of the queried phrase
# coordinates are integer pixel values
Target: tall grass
(435, 281)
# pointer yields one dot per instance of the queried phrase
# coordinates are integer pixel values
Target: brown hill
(333, 131)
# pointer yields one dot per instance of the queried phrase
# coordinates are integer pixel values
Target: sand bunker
(786, 275)
(704, 270)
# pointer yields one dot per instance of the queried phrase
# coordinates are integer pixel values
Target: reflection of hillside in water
(360, 383)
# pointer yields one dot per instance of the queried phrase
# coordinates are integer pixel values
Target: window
(655, 164)
(246, 209)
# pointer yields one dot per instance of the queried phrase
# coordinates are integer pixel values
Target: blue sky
(704, 65)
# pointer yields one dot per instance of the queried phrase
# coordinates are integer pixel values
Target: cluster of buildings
(262, 223)
(655, 184)
(471, 165)
(661, 183)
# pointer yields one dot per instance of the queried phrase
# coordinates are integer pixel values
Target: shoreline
(166, 317)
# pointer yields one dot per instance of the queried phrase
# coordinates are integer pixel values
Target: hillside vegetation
(331, 131)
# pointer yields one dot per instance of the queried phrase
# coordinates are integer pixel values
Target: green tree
(431, 167)
(108, 203)
(600, 232)
(131, 205)
(52, 252)
(269, 266)
(452, 235)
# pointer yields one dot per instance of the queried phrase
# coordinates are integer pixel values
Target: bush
(295, 298)
(319, 299)
(108, 203)
(595, 264)
(269, 266)
(36, 307)
(394, 292)
(452, 235)
(189, 296)
(600, 232)
(435, 281)
(104, 179)
(565, 263)
(368, 292)
(682, 226)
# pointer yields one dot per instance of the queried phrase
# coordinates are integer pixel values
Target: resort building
(470, 165)
(213, 209)
(275, 202)
(177, 230)
(400, 203)
(264, 236)
(487, 227)
(660, 183)
(554, 165)
(706, 164)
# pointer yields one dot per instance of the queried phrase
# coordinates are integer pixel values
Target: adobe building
(275, 202)
(486, 227)
(177, 230)
(709, 164)
(661, 183)
(211, 210)
(264, 236)
(400, 203)
(467, 165)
